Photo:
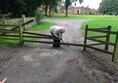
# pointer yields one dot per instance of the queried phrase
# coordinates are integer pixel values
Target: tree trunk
(50, 9)
(46, 9)
(66, 8)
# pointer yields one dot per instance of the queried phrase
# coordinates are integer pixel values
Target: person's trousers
(56, 41)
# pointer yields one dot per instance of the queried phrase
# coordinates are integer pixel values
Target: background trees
(68, 3)
(109, 7)
(18, 7)
(28, 7)
(49, 5)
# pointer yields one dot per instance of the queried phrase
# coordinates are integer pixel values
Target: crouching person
(57, 32)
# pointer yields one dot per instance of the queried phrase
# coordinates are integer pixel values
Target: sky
(92, 3)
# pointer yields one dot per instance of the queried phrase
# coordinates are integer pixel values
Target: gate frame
(107, 42)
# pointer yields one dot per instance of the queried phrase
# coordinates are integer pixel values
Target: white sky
(92, 3)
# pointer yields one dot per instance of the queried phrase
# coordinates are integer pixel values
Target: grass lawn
(71, 16)
(41, 26)
(103, 22)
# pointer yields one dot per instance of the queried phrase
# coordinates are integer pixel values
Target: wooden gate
(26, 34)
(96, 40)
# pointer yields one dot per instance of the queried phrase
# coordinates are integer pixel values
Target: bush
(38, 15)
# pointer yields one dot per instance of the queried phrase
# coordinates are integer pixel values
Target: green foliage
(38, 15)
(109, 7)
(19, 7)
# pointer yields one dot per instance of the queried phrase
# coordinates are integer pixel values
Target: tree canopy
(28, 7)
(109, 7)
(18, 7)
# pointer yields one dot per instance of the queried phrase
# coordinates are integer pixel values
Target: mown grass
(71, 16)
(5, 43)
(103, 22)
(41, 26)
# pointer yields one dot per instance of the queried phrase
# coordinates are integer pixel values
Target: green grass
(42, 26)
(103, 22)
(71, 16)
(5, 43)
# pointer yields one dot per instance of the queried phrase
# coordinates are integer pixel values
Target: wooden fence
(12, 32)
(21, 34)
(106, 41)
(17, 32)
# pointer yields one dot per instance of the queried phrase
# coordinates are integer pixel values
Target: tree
(68, 3)
(45, 3)
(109, 7)
(49, 4)
(52, 5)
(19, 7)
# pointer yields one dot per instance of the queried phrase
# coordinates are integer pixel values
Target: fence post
(115, 53)
(21, 33)
(23, 21)
(85, 37)
(107, 38)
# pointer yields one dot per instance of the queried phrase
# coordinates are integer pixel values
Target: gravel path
(40, 63)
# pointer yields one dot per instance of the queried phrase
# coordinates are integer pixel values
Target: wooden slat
(105, 51)
(9, 38)
(15, 28)
(8, 25)
(95, 44)
(104, 28)
(1, 30)
(101, 41)
(108, 38)
(4, 33)
(115, 53)
(98, 36)
(46, 42)
(27, 22)
(11, 35)
(85, 38)
(9, 31)
(38, 37)
(36, 34)
(102, 31)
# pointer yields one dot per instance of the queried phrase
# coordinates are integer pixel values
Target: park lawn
(72, 16)
(103, 22)
(41, 26)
